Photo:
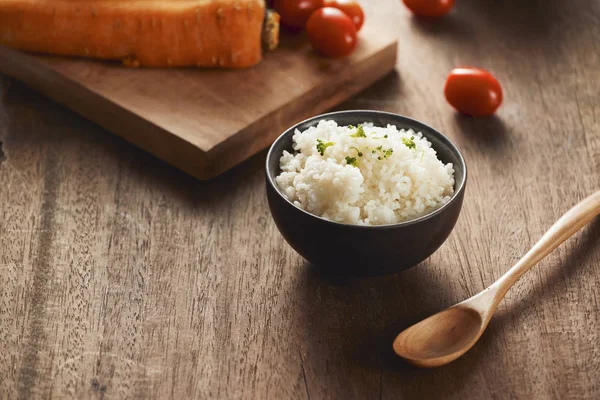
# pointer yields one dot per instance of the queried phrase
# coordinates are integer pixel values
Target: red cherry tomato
(351, 8)
(429, 8)
(331, 32)
(295, 13)
(473, 91)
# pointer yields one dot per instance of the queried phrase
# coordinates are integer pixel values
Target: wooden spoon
(449, 334)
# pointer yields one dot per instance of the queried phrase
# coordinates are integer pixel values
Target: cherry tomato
(473, 91)
(351, 8)
(295, 13)
(331, 32)
(429, 8)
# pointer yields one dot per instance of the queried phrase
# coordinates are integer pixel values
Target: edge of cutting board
(202, 164)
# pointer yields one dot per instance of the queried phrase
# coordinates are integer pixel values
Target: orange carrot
(150, 33)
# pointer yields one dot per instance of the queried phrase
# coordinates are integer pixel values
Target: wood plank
(205, 121)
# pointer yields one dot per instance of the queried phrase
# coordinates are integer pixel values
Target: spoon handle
(565, 227)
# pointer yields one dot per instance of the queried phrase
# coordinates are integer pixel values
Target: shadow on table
(524, 21)
(451, 26)
(489, 133)
(348, 326)
(383, 95)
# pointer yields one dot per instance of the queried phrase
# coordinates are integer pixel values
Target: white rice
(409, 182)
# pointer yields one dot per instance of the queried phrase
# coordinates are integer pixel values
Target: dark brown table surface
(122, 277)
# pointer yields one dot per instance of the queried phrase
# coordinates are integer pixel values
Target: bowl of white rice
(364, 192)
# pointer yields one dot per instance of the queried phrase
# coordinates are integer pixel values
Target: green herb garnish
(321, 146)
(352, 161)
(380, 137)
(360, 132)
(360, 154)
(386, 153)
(410, 143)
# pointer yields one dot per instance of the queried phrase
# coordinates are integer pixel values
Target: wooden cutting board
(205, 121)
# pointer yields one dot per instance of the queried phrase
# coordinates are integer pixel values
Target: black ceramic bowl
(353, 250)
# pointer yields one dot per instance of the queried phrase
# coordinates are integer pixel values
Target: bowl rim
(442, 137)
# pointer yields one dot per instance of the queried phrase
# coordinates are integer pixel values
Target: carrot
(149, 33)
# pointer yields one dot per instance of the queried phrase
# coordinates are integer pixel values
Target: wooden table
(122, 277)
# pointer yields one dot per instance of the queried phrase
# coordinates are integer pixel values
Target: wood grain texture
(121, 277)
(205, 121)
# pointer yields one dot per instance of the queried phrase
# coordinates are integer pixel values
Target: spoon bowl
(441, 338)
